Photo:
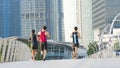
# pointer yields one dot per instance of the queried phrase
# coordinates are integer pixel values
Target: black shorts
(75, 45)
(43, 46)
(34, 47)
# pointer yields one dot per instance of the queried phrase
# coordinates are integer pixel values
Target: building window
(32, 15)
(56, 50)
(61, 49)
(27, 16)
(41, 15)
(36, 15)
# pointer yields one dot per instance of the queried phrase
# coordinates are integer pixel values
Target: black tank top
(34, 39)
(75, 38)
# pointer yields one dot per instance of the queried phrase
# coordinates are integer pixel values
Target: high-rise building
(104, 12)
(9, 18)
(37, 13)
(54, 10)
(98, 16)
(112, 8)
(32, 16)
(84, 20)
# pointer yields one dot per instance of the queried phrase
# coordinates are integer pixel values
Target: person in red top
(42, 37)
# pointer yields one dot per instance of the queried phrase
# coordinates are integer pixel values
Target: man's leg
(73, 52)
(45, 51)
(42, 50)
(36, 51)
(76, 51)
(44, 54)
(33, 54)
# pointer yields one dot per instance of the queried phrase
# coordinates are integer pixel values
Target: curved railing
(109, 51)
(13, 50)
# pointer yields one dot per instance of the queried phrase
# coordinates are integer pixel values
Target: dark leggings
(44, 46)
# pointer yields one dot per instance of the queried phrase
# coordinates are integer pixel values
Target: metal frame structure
(114, 20)
(106, 52)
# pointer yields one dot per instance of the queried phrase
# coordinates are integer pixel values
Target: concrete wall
(14, 50)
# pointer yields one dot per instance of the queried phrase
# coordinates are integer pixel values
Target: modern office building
(112, 9)
(9, 18)
(36, 13)
(59, 50)
(98, 17)
(54, 10)
(104, 12)
(32, 16)
(63, 50)
(84, 20)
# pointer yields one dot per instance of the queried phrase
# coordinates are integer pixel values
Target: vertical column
(1, 43)
(59, 52)
(15, 50)
(18, 51)
(65, 52)
(12, 50)
(4, 50)
(8, 51)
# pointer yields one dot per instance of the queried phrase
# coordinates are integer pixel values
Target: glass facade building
(98, 17)
(112, 9)
(59, 50)
(54, 9)
(84, 20)
(32, 16)
(36, 13)
(9, 18)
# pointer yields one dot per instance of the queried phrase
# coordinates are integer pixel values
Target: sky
(69, 7)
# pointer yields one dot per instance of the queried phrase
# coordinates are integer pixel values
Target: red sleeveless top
(42, 36)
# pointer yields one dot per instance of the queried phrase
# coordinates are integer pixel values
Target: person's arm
(29, 39)
(48, 35)
(38, 36)
(78, 35)
(71, 35)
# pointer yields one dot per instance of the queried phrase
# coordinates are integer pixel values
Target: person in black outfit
(33, 42)
(75, 36)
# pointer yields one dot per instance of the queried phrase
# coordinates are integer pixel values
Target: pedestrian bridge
(71, 63)
(16, 54)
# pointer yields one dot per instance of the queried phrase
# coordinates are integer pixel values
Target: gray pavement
(71, 63)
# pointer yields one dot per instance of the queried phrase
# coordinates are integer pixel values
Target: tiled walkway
(80, 63)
